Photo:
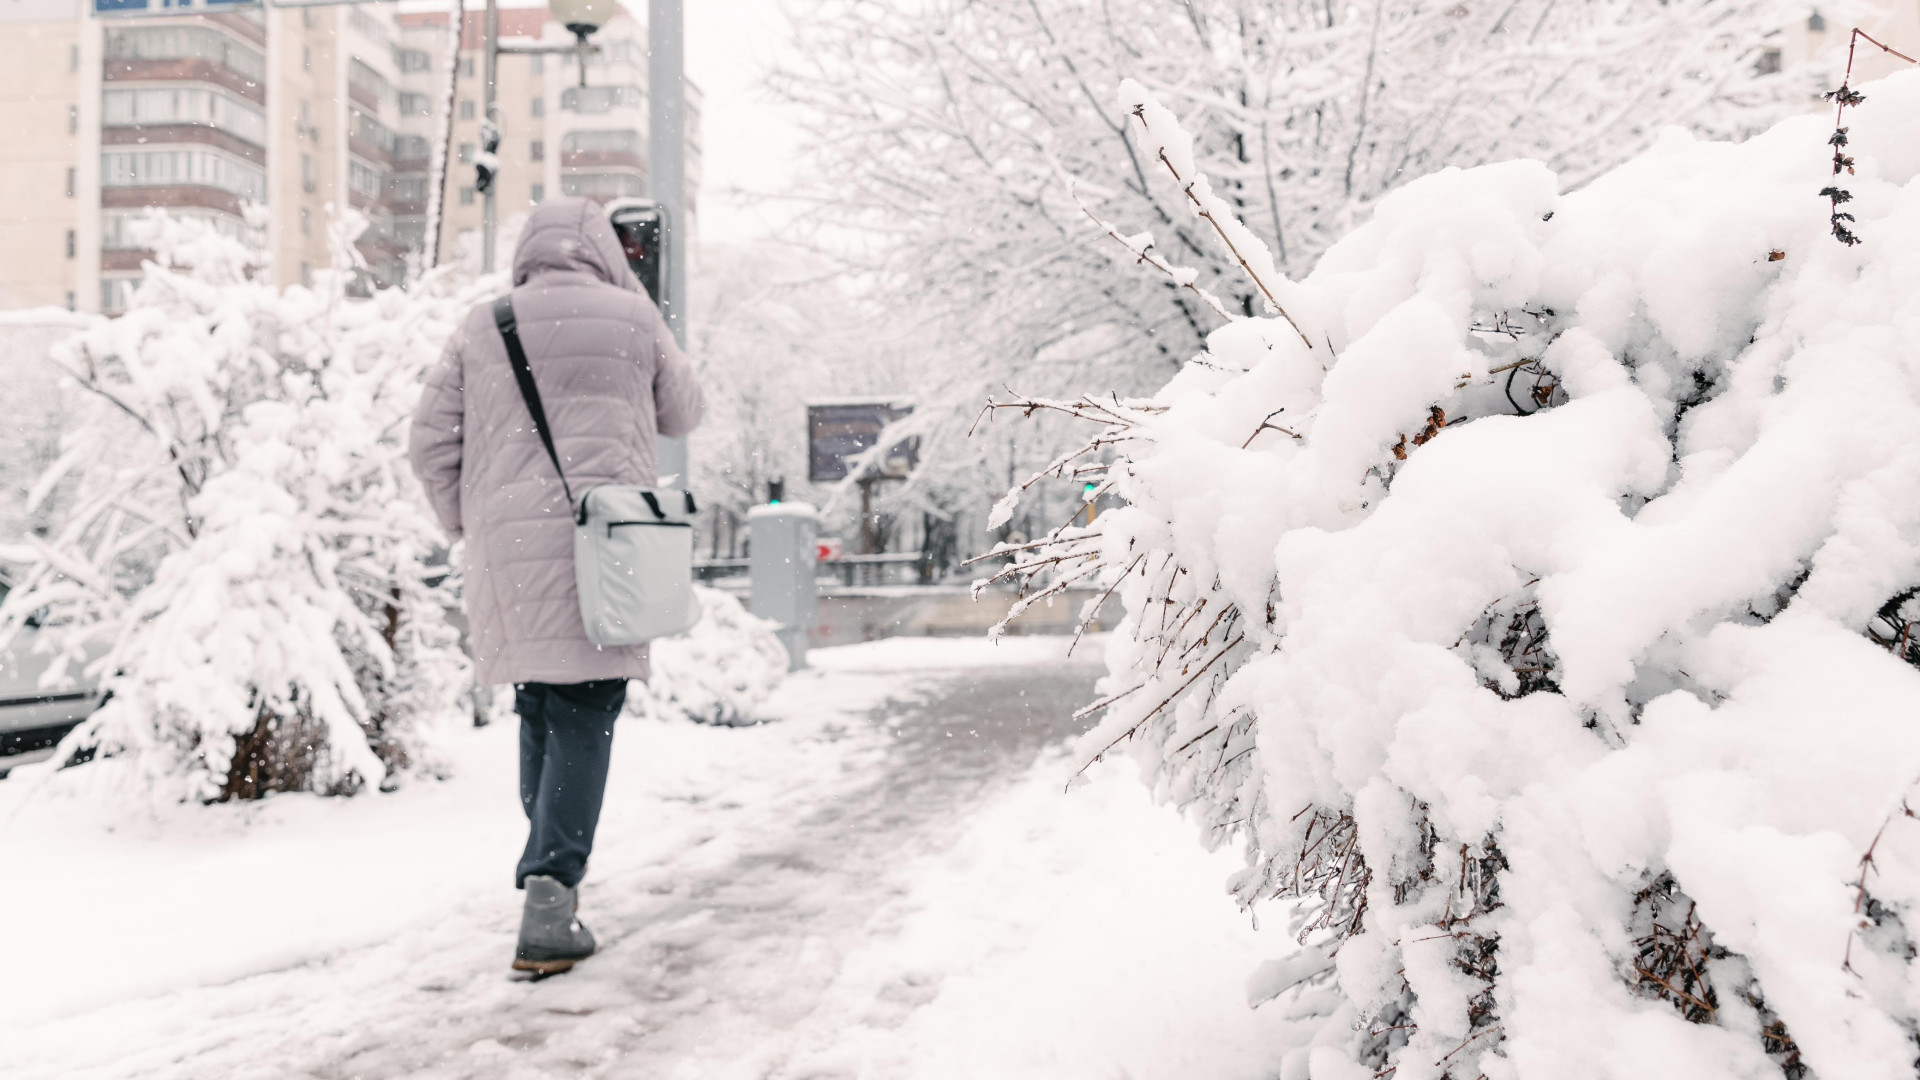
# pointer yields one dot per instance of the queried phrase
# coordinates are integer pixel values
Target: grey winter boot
(552, 940)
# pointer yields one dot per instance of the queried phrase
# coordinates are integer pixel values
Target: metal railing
(893, 568)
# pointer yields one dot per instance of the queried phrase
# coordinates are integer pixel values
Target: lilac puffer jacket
(611, 379)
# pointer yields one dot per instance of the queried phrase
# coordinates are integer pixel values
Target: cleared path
(710, 959)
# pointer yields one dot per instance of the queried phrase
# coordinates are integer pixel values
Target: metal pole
(487, 208)
(666, 151)
(667, 181)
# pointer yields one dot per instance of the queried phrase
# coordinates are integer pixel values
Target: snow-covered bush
(1538, 613)
(716, 673)
(247, 568)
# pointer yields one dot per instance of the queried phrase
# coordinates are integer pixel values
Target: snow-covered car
(33, 717)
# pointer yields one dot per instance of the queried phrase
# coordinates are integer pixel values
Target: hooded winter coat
(612, 381)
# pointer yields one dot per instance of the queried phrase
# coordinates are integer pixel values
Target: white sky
(748, 143)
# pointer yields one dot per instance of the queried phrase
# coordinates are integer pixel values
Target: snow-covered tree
(246, 566)
(1532, 597)
(775, 326)
(34, 410)
(941, 131)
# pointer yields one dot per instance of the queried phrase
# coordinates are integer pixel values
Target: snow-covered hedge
(719, 672)
(247, 569)
(1537, 614)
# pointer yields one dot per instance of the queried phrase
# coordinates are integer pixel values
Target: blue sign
(122, 8)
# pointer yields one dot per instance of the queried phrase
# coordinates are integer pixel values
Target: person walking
(612, 381)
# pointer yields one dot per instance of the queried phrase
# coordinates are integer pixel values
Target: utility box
(781, 572)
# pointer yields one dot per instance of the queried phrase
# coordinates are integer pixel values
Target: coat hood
(571, 234)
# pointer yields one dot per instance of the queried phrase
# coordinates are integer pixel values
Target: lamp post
(583, 17)
(667, 184)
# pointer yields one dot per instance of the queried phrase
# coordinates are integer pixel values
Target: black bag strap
(529, 392)
(653, 504)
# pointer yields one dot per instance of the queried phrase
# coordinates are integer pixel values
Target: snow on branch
(1170, 143)
(1595, 690)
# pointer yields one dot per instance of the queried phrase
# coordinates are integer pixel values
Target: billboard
(123, 8)
(838, 430)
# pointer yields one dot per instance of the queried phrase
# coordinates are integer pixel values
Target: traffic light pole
(488, 164)
(667, 181)
(489, 208)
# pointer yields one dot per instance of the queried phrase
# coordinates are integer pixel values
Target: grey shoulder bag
(632, 546)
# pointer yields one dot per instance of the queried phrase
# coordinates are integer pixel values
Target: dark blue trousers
(566, 743)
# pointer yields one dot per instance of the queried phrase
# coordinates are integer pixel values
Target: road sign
(137, 8)
(838, 430)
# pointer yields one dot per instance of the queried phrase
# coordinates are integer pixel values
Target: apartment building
(261, 121)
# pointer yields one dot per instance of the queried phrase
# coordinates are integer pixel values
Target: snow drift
(718, 672)
(1538, 614)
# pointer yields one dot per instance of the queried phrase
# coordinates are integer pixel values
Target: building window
(165, 168)
(411, 60)
(73, 244)
(367, 181)
(370, 83)
(415, 105)
(73, 64)
(539, 64)
(466, 153)
(466, 196)
(537, 151)
(186, 43)
(186, 105)
(367, 129)
(118, 231)
(539, 106)
(73, 181)
(306, 58)
(466, 110)
(466, 67)
(1768, 64)
(114, 294)
(539, 193)
(603, 186)
(73, 119)
(613, 141)
(306, 275)
(1817, 23)
(69, 299)
(599, 99)
(306, 171)
(306, 222)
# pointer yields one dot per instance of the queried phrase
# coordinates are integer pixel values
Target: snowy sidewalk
(883, 883)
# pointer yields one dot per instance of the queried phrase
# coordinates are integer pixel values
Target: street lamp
(582, 17)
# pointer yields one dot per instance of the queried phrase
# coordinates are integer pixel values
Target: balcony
(186, 69)
(171, 196)
(604, 159)
(186, 52)
(175, 134)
